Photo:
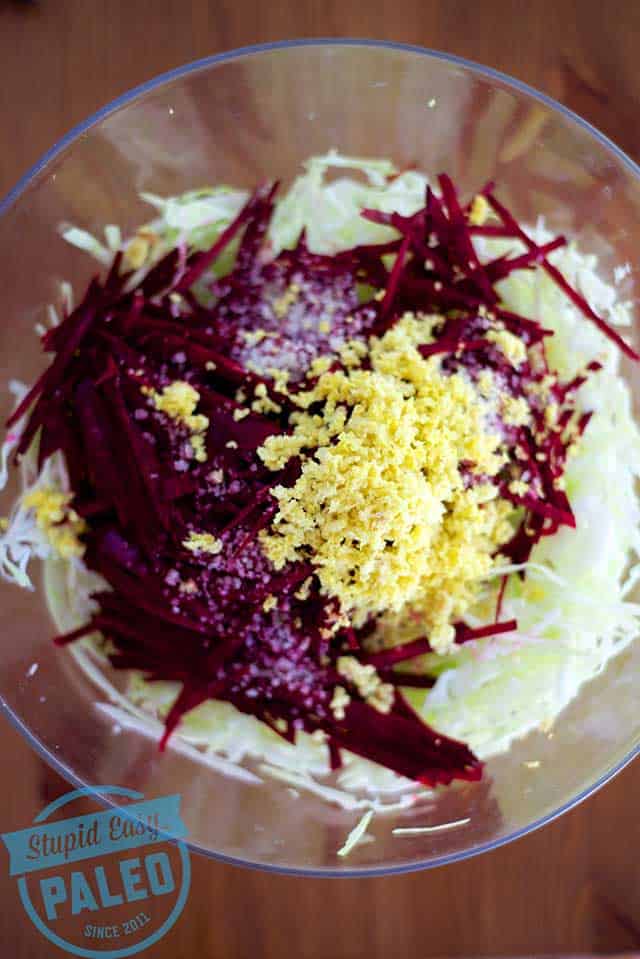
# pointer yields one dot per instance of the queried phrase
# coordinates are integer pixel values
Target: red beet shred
(198, 618)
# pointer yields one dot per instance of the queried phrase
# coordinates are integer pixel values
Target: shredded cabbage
(572, 608)
(22, 538)
(491, 691)
(357, 834)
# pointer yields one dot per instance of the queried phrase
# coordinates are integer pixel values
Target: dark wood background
(572, 887)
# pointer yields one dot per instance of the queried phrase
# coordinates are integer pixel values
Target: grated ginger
(61, 524)
(178, 401)
(283, 304)
(203, 543)
(511, 345)
(479, 211)
(515, 411)
(380, 505)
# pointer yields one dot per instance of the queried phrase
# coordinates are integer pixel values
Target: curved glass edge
(196, 65)
(155, 83)
(362, 873)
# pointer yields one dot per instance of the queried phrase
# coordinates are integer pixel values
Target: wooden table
(568, 887)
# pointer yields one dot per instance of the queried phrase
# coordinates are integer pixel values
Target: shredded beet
(223, 622)
(511, 224)
(398, 654)
(465, 633)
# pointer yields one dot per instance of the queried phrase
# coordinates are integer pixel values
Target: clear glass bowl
(241, 118)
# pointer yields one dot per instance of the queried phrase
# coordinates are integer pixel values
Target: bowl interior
(242, 120)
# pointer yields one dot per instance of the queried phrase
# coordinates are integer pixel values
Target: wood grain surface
(572, 887)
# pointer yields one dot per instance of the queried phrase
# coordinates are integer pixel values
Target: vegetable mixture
(334, 477)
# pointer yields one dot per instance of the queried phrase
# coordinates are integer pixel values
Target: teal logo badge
(107, 883)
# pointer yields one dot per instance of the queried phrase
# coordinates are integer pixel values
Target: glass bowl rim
(68, 139)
